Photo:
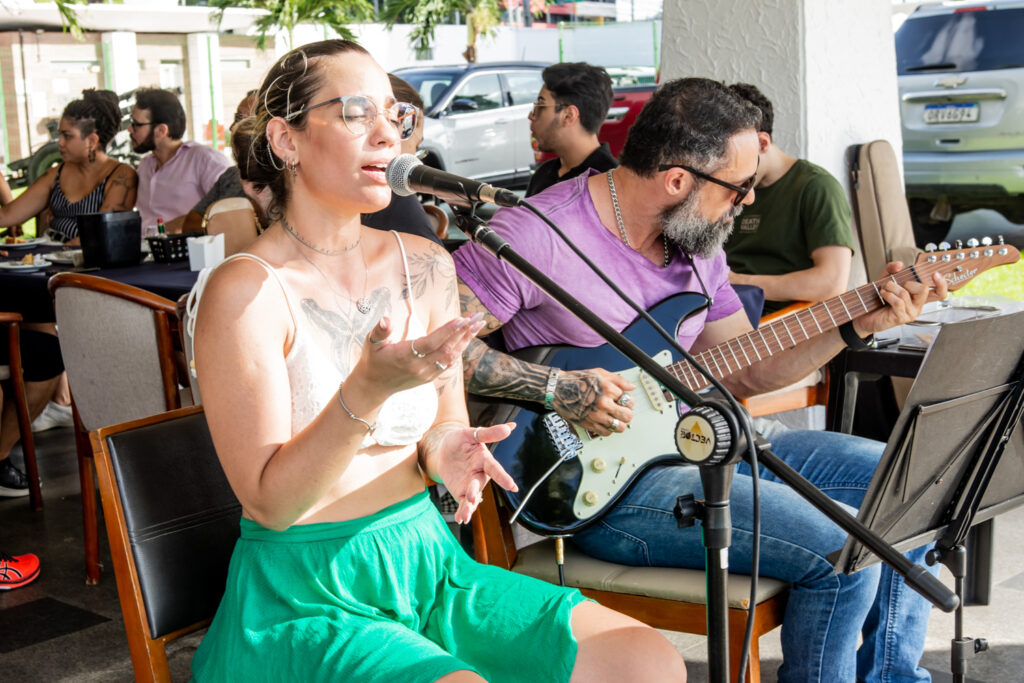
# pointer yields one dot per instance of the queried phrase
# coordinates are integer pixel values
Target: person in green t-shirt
(794, 241)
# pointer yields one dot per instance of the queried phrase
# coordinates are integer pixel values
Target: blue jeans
(826, 611)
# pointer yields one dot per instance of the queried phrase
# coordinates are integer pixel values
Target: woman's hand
(395, 366)
(465, 465)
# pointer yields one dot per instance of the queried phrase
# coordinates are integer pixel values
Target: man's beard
(147, 145)
(684, 227)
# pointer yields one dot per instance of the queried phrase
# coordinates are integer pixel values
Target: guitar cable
(733, 403)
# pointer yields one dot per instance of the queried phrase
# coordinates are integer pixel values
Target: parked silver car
(961, 86)
(476, 118)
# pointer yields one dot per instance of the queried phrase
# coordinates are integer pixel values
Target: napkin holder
(206, 251)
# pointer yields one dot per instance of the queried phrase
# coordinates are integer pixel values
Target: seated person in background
(405, 214)
(86, 180)
(42, 368)
(177, 174)
(794, 241)
(328, 358)
(687, 167)
(229, 184)
(565, 120)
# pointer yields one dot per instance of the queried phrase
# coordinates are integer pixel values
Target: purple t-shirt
(175, 188)
(532, 318)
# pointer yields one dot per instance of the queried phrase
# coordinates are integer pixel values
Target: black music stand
(956, 456)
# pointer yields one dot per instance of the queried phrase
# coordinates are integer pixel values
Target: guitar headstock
(959, 266)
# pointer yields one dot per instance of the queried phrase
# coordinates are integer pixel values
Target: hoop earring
(92, 154)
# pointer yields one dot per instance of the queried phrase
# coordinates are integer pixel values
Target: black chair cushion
(182, 518)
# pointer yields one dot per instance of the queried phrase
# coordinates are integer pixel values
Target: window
(483, 89)
(524, 86)
(980, 40)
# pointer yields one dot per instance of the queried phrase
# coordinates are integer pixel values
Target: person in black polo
(565, 119)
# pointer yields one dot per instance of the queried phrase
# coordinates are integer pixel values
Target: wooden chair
(165, 500)
(28, 444)
(118, 347)
(235, 218)
(438, 218)
(665, 598)
(810, 391)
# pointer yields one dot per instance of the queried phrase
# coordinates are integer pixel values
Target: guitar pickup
(654, 392)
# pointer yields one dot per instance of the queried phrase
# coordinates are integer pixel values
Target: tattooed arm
(122, 186)
(586, 397)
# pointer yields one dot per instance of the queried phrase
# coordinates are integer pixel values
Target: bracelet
(549, 390)
(853, 340)
(369, 427)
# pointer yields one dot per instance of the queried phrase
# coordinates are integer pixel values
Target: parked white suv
(476, 118)
(961, 86)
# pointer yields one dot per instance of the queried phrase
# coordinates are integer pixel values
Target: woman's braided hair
(99, 111)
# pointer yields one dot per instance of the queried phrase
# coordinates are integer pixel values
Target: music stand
(956, 453)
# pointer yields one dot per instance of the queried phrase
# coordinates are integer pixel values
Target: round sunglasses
(359, 113)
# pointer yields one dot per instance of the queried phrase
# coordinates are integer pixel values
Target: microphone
(408, 175)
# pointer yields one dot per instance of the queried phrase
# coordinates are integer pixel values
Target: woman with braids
(86, 180)
(328, 358)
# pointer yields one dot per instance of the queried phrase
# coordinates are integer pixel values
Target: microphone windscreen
(397, 174)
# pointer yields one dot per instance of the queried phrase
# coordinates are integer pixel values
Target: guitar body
(594, 472)
(606, 466)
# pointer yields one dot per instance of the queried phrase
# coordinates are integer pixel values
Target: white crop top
(314, 377)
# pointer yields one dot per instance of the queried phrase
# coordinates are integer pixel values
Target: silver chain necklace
(325, 252)
(362, 303)
(622, 226)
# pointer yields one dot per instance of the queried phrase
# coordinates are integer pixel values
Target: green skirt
(389, 597)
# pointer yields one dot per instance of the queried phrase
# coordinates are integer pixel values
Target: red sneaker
(19, 571)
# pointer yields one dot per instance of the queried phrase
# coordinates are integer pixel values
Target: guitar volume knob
(590, 498)
(598, 465)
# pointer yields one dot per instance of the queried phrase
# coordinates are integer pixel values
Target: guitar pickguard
(611, 462)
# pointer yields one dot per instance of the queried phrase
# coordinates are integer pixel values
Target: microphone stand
(715, 462)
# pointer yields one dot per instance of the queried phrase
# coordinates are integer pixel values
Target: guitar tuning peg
(972, 243)
(959, 244)
(986, 241)
(944, 245)
(931, 246)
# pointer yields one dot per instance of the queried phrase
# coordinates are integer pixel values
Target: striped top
(64, 224)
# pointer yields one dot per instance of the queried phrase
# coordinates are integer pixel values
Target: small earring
(293, 167)
(92, 154)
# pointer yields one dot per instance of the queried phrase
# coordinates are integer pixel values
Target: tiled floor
(67, 631)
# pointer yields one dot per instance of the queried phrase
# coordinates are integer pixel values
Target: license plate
(951, 113)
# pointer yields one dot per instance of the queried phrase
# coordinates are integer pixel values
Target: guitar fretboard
(788, 331)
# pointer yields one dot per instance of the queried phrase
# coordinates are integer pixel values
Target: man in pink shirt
(177, 174)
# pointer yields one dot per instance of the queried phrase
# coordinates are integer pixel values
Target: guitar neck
(788, 331)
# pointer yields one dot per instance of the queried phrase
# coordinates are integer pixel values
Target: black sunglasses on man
(741, 190)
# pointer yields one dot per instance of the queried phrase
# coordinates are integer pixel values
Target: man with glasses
(565, 120)
(656, 226)
(794, 241)
(177, 174)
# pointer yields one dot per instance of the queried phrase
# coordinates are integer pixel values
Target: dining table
(24, 289)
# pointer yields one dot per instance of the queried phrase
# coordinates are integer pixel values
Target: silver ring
(614, 426)
(440, 366)
(476, 435)
(625, 400)
(412, 345)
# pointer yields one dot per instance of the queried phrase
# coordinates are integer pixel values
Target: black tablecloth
(26, 293)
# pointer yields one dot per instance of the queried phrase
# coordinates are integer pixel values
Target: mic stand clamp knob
(703, 436)
(686, 511)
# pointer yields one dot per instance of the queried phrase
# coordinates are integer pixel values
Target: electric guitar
(576, 477)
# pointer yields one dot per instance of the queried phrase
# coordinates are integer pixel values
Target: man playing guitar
(656, 225)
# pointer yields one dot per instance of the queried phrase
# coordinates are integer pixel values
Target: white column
(206, 96)
(120, 61)
(829, 68)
